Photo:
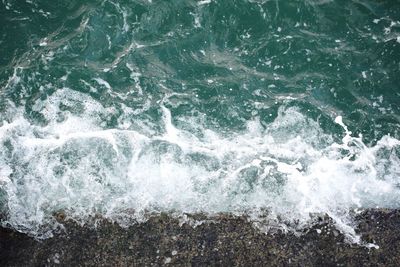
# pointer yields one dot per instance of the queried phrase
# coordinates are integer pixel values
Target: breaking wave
(289, 168)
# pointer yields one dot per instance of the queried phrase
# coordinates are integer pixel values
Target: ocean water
(278, 110)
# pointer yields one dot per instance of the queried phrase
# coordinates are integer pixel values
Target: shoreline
(226, 240)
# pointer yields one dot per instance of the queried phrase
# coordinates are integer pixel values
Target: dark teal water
(126, 108)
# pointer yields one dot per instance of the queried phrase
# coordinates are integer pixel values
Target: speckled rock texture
(225, 241)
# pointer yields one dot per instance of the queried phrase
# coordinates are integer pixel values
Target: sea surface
(273, 109)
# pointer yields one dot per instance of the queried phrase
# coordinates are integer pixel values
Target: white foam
(203, 2)
(290, 168)
(102, 82)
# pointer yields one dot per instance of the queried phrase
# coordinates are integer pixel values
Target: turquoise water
(128, 108)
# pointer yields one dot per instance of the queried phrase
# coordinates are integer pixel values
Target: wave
(288, 169)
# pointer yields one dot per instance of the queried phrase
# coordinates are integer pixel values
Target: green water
(190, 90)
(253, 52)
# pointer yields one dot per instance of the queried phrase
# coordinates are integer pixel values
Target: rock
(226, 240)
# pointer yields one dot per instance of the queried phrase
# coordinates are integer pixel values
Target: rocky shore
(227, 240)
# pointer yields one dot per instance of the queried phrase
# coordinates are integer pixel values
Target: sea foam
(288, 170)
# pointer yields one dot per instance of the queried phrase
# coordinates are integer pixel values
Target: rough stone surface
(226, 241)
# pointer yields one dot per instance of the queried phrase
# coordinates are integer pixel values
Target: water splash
(290, 168)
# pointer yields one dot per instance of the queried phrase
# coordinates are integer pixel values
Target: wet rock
(225, 240)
